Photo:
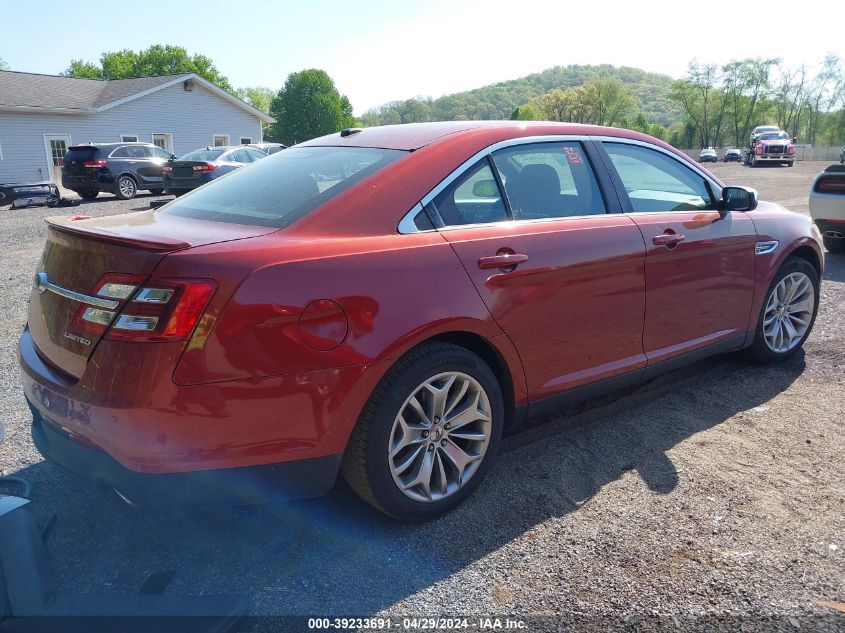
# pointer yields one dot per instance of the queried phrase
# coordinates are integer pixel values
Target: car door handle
(503, 260)
(667, 239)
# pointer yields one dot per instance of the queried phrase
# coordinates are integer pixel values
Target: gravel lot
(711, 497)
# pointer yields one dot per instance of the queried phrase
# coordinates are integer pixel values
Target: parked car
(762, 129)
(269, 148)
(733, 154)
(827, 206)
(204, 165)
(708, 155)
(119, 168)
(454, 280)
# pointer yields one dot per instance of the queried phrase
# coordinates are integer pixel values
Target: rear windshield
(203, 154)
(284, 187)
(81, 153)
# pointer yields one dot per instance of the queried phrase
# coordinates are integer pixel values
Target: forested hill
(497, 101)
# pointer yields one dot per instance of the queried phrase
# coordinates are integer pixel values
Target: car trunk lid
(79, 253)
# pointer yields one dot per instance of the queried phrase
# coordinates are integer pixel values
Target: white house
(42, 115)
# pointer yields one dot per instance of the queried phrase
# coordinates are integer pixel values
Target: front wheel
(428, 434)
(788, 313)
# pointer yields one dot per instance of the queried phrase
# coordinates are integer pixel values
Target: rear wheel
(89, 194)
(788, 312)
(126, 188)
(156, 192)
(428, 434)
(834, 244)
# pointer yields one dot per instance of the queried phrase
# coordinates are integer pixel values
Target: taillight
(94, 163)
(205, 167)
(166, 310)
(830, 184)
(114, 288)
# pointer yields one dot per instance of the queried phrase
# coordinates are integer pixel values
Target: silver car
(827, 207)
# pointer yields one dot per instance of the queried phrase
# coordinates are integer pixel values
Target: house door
(56, 146)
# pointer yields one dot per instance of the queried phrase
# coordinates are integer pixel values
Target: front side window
(657, 182)
(282, 188)
(472, 198)
(158, 152)
(548, 180)
(255, 154)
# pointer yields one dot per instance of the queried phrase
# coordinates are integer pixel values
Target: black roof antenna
(349, 131)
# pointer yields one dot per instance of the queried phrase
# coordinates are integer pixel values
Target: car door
(563, 278)
(152, 166)
(699, 263)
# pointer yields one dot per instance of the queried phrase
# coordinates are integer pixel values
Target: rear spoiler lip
(152, 243)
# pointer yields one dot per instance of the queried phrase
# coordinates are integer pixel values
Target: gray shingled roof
(50, 91)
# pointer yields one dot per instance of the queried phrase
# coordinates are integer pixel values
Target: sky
(384, 50)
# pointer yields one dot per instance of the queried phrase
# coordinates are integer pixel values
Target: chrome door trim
(43, 283)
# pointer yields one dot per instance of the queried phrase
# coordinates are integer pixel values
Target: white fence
(827, 154)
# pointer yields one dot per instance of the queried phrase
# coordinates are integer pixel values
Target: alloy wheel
(789, 312)
(440, 436)
(127, 187)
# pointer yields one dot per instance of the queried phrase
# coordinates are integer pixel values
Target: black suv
(119, 168)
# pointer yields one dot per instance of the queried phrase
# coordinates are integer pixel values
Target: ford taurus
(384, 303)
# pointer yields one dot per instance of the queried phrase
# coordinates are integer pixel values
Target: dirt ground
(713, 497)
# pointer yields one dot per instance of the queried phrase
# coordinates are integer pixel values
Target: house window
(164, 141)
(221, 140)
(128, 138)
(246, 140)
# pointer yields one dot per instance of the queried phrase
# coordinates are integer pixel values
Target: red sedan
(385, 302)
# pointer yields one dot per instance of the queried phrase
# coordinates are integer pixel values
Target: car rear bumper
(227, 486)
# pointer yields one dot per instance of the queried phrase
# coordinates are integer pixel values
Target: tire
(89, 194)
(753, 162)
(796, 268)
(790, 163)
(126, 188)
(834, 244)
(368, 466)
(156, 192)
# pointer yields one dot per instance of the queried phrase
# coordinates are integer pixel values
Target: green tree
(526, 112)
(3, 64)
(258, 97)
(307, 106)
(158, 59)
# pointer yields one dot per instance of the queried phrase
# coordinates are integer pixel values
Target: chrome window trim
(43, 283)
(404, 223)
(715, 186)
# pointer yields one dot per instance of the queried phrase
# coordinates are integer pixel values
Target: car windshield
(282, 188)
(773, 136)
(203, 154)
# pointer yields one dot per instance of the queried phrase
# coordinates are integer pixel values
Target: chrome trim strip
(764, 248)
(43, 283)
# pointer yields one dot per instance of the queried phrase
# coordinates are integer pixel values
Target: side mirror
(738, 199)
(173, 157)
(485, 189)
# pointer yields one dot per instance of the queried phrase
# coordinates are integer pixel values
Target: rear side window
(549, 180)
(657, 182)
(130, 151)
(281, 189)
(239, 156)
(473, 198)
